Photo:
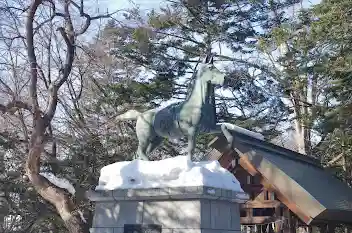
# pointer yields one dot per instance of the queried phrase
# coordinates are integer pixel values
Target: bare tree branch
(334, 160)
(7, 88)
(88, 17)
(53, 15)
(69, 38)
(14, 105)
(13, 8)
(32, 57)
(58, 197)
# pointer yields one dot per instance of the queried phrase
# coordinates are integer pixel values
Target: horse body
(188, 118)
(167, 122)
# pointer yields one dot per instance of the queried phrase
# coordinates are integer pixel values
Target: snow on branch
(59, 182)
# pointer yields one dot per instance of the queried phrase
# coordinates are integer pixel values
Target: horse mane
(191, 85)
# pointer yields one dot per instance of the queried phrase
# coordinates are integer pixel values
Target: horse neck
(198, 96)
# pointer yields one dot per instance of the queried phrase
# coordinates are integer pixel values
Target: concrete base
(187, 209)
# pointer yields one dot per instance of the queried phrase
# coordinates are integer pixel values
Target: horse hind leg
(143, 142)
(144, 134)
(145, 147)
(157, 140)
(191, 146)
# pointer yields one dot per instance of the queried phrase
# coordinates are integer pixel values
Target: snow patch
(125, 135)
(81, 216)
(59, 182)
(211, 191)
(11, 223)
(171, 172)
(243, 131)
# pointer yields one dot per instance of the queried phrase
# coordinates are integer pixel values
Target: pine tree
(168, 44)
(331, 29)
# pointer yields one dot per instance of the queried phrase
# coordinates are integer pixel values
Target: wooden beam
(334, 160)
(246, 164)
(220, 144)
(258, 188)
(226, 159)
(211, 143)
(292, 206)
(261, 204)
(214, 154)
(266, 184)
(257, 219)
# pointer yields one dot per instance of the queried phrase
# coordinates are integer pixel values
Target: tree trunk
(300, 134)
(55, 195)
(41, 120)
(299, 137)
(302, 128)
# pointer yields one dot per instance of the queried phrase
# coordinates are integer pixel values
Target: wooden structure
(283, 185)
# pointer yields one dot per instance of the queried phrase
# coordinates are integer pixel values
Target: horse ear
(211, 60)
(205, 59)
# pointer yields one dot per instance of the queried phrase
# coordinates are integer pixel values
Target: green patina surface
(184, 119)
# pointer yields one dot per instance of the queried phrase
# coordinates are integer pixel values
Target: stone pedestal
(167, 210)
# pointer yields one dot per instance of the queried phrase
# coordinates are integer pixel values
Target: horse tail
(129, 115)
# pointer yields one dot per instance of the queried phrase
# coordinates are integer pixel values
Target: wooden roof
(308, 190)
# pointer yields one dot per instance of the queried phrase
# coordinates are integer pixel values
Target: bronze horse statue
(188, 118)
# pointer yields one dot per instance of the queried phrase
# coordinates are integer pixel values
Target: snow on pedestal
(175, 194)
(172, 172)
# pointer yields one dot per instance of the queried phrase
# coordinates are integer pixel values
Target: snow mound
(171, 172)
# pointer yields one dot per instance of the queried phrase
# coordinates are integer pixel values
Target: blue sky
(152, 4)
(118, 4)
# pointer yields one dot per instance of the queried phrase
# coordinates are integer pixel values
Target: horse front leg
(191, 145)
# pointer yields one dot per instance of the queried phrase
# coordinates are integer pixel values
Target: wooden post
(293, 223)
(331, 228)
(315, 229)
(310, 229)
(327, 228)
(290, 224)
(323, 228)
(278, 212)
(249, 212)
(348, 229)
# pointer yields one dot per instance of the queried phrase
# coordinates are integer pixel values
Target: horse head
(209, 73)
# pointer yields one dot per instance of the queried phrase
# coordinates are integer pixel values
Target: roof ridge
(271, 147)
